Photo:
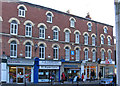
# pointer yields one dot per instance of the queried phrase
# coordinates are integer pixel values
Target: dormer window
(105, 29)
(49, 16)
(72, 22)
(89, 26)
(21, 10)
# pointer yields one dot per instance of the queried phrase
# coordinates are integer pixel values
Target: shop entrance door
(20, 74)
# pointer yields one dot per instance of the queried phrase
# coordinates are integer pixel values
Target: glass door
(20, 74)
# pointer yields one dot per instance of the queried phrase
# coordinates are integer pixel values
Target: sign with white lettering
(72, 52)
(48, 67)
(49, 62)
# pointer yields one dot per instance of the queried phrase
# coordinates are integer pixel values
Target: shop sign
(49, 62)
(20, 62)
(43, 80)
(72, 52)
(71, 66)
(48, 67)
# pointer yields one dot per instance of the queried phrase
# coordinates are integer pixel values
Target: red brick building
(63, 43)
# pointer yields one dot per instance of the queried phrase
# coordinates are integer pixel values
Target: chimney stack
(88, 16)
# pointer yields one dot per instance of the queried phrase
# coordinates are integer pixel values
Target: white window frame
(42, 33)
(109, 54)
(67, 36)
(67, 54)
(49, 18)
(55, 34)
(21, 12)
(77, 54)
(93, 40)
(102, 55)
(85, 39)
(89, 27)
(55, 53)
(14, 28)
(42, 53)
(28, 30)
(86, 54)
(102, 39)
(13, 45)
(94, 55)
(72, 23)
(109, 41)
(28, 53)
(77, 38)
(105, 30)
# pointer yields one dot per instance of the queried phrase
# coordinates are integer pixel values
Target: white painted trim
(109, 50)
(77, 31)
(13, 39)
(89, 22)
(105, 27)
(42, 24)
(28, 41)
(93, 49)
(67, 46)
(21, 5)
(85, 33)
(56, 45)
(72, 18)
(11, 19)
(109, 36)
(1, 18)
(67, 29)
(55, 27)
(50, 13)
(102, 49)
(28, 21)
(85, 48)
(42, 43)
(77, 47)
(93, 35)
(102, 35)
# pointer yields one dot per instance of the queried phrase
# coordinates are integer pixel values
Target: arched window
(28, 30)
(85, 39)
(93, 40)
(13, 49)
(94, 55)
(49, 17)
(55, 52)
(86, 54)
(109, 54)
(77, 37)
(105, 29)
(67, 36)
(55, 34)
(21, 11)
(89, 27)
(77, 54)
(42, 51)
(42, 32)
(102, 55)
(109, 41)
(102, 39)
(67, 53)
(28, 50)
(72, 23)
(13, 27)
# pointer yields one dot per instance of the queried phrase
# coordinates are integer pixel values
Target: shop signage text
(49, 63)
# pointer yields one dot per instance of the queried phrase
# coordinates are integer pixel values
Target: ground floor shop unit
(18, 70)
(70, 69)
(106, 69)
(47, 70)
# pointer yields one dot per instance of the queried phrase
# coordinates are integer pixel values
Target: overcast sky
(100, 10)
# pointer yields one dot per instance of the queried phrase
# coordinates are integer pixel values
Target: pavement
(86, 83)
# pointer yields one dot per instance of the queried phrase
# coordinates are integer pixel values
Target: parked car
(107, 80)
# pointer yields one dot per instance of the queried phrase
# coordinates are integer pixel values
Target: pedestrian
(63, 77)
(114, 79)
(82, 76)
(100, 75)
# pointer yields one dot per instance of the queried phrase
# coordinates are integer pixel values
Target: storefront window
(12, 74)
(17, 74)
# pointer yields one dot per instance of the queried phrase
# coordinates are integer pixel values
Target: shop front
(71, 69)
(20, 70)
(48, 69)
(106, 68)
(89, 70)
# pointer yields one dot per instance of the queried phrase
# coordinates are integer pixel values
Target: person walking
(82, 76)
(63, 77)
(100, 75)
